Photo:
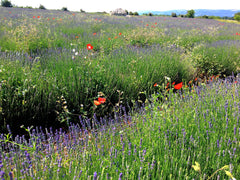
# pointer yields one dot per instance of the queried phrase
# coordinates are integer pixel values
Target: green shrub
(237, 16)
(216, 60)
(174, 14)
(64, 9)
(6, 3)
(42, 7)
(190, 14)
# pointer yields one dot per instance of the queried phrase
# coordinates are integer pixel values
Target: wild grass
(49, 78)
(44, 58)
(161, 142)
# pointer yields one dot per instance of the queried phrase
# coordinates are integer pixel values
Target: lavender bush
(162, 141)
(69, 70)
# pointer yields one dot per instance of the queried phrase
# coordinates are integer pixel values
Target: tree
(237, 16)
(82, 11)
(150, 14)
(190, 14)
(205, 16)
(41, 7)
(64, 9)
(136, 14)
(174, 14)
(6, 3)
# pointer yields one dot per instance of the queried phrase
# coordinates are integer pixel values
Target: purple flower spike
(11, 175)
(95, 176)
(2, 173)
(120, 176)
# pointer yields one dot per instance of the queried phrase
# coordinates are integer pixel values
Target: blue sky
(130, 5)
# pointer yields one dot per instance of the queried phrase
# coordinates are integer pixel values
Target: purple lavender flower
(129, 145)
(95, 176)
(11, 175)
(144, 152)
(123, 146)
(141, 142)
(121, 138)
(115, 153)
(120, 176)
(2, 173)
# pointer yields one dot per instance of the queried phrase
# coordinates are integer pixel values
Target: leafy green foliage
(192, 134)
(237, 16)
(174, 14)
(216, 60)
(128, 57)
(42, 7)
(190, 13)
(64, 9)
(6, 3)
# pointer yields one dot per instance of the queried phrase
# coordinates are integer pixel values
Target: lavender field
(93, 96)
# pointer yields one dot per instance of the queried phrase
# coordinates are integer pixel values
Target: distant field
(229, 21)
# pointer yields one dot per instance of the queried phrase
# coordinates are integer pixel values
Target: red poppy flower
(101, 100)
(178, 86)
(38, 17)
(235, 82)
(115, 37)
(76, 37)
(167, 85)
(94, 34)
(73, 14)
(120, 34)
(173, 83)
(190, 82)
(109, 38)
(195, 79)
(147, 25)
(10, 12)
(155, 85)
(212, 77)
(33, 17)
(96, 102)
(53, 18)
(89, 47)
(236, 33)
(155, 23)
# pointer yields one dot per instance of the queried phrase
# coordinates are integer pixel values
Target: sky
(130, 5)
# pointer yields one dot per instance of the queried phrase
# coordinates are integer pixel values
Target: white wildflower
(167, 78)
